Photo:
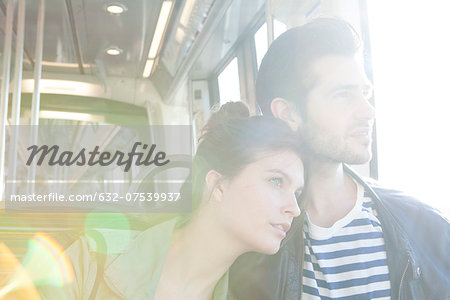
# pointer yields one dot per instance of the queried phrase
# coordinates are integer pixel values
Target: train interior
(169, 62)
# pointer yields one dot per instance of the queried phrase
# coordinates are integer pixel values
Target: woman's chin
(270, 249)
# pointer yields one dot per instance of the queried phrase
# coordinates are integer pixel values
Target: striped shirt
(347, 260)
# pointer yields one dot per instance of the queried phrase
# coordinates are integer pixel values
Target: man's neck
(330, 194)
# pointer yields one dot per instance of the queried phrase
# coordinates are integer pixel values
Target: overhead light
(179, 35)
(113, 51)
(148, 68)
(64, 115)
(63, 64)
(187, 10)
(64, 87)
(160, 28)
(116, 8)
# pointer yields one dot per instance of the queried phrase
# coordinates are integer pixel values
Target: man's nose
(365, 110)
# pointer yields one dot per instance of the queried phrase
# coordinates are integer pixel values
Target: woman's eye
(277, 181)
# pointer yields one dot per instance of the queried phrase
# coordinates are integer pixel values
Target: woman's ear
(285, 110)
(214, 184)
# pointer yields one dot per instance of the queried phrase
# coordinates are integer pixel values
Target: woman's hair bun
(228, 112)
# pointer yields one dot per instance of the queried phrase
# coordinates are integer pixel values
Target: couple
(351, 239)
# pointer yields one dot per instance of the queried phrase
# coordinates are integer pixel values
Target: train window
(261, 43)
(410, 67)
(229, 83)
(278, 28)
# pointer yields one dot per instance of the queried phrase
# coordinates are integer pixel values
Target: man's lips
(361, 131)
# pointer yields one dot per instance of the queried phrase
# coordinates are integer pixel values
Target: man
(354, 239)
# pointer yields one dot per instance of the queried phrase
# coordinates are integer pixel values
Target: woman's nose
(292, 209)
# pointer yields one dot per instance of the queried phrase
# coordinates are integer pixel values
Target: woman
(246, 174)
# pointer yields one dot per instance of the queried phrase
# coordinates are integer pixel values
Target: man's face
(338, 119)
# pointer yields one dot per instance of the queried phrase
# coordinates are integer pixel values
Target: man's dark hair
(284, 69)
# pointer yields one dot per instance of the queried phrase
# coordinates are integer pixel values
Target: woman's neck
(199, 255)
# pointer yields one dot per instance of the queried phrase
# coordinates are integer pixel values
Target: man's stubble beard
(321, 146)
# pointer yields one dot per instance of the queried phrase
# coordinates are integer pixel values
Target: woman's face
(259, 204)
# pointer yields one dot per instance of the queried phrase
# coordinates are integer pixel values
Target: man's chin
(358, 158)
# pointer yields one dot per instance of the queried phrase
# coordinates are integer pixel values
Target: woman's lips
(282, 228)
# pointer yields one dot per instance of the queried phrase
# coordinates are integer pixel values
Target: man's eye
(342, 95)
(368, 93)
(277, 181)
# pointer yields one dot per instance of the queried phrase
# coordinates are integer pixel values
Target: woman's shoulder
(113, 253)
(113, 241)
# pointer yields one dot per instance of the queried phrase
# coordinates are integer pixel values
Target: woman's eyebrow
(285, 175)
(288, 178)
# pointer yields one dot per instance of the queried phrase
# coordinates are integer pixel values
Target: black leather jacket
(417, 240)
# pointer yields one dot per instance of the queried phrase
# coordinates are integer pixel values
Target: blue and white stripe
(347, 260)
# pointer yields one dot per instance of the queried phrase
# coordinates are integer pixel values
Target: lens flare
(45, 263)
(19, 289)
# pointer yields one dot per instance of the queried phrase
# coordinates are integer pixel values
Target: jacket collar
(398, 249)
(135, 273)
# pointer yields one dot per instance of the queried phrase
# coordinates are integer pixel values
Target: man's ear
(284, 110)
(214, 184)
